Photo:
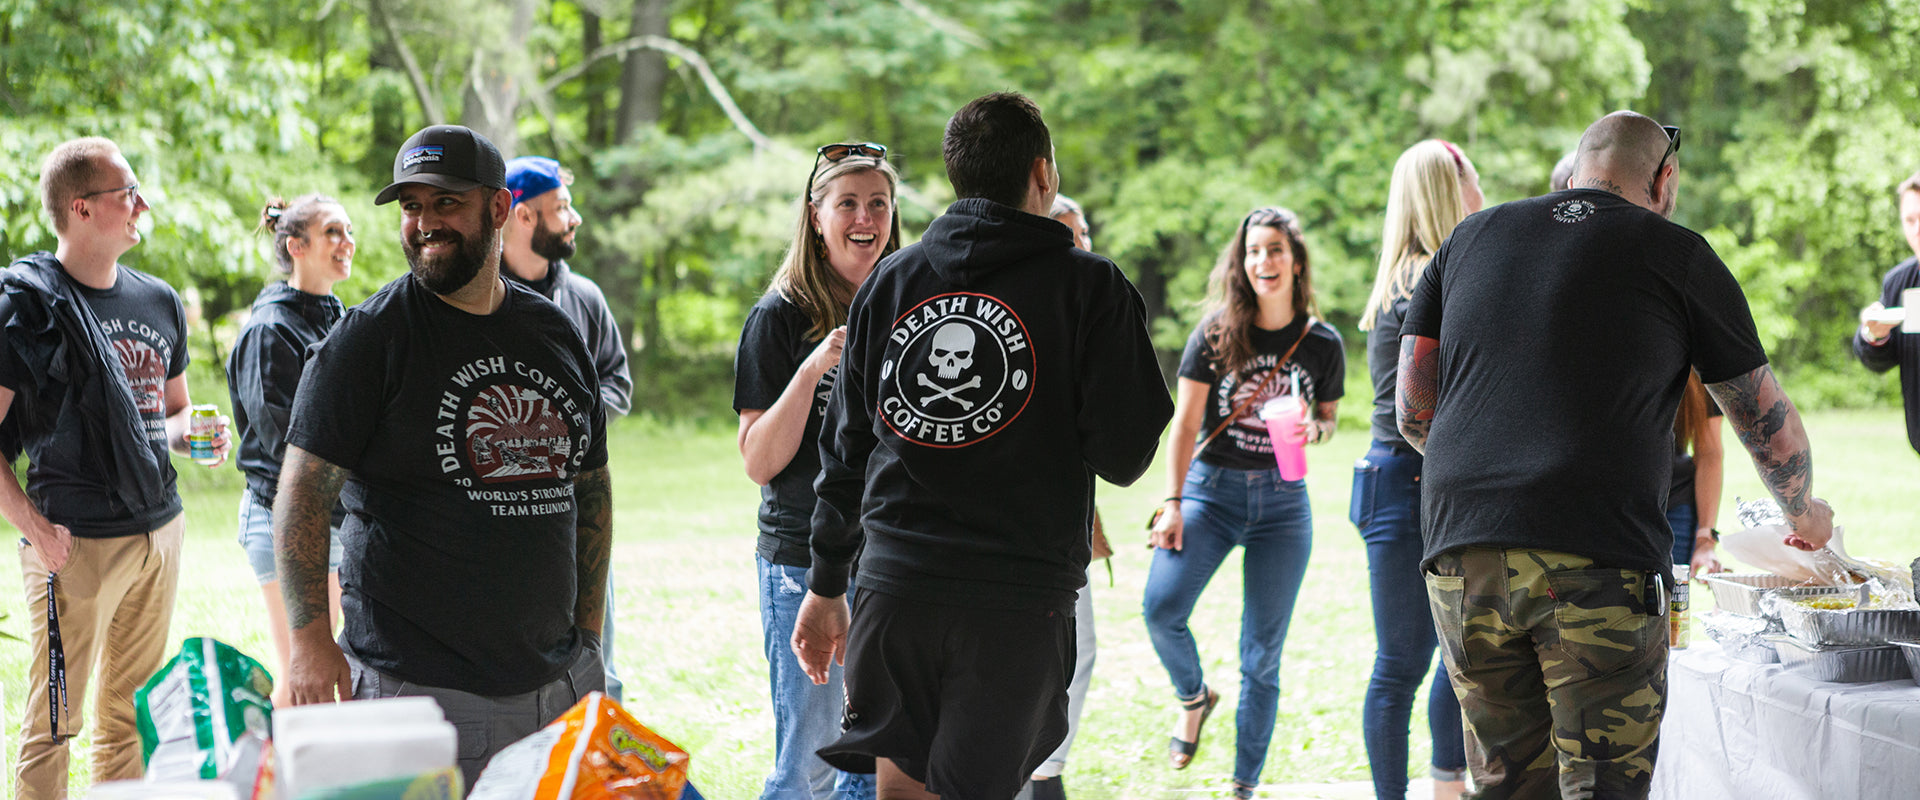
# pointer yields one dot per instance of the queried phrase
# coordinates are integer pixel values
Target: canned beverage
(200, 429)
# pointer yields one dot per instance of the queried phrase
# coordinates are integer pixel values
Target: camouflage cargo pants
(1560, 667)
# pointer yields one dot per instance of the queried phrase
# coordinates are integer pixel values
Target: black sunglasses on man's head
(833, 153)
(1673, 146)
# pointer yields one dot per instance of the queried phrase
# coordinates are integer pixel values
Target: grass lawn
(689, 634)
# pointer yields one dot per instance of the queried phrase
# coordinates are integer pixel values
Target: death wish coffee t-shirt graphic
(502, 422)
(959, 368)
(146, 355)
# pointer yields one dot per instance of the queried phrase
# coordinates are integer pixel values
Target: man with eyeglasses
(1542, 362)
(457, 417)
(1880, 343)
(536, 243)
(990, 372)
(93, 389)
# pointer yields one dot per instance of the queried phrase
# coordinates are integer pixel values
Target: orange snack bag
(595, 751)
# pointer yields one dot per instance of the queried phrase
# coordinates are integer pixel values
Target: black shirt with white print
(464, 434)
(773, 345)
(1318, 367)
(142, 317)
(991, 371)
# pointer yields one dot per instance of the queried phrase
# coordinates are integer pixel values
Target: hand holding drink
(207, 439)
(1286, 418)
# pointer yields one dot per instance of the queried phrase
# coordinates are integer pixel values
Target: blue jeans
(805, 717)
(1386, 510)
(1683, 521)
(1270, 518)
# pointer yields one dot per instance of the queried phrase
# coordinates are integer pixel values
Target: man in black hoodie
(990, 372)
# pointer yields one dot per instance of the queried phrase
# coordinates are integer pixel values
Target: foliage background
(1171, 118)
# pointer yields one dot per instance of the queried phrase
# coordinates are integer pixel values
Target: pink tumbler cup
(1283, 415)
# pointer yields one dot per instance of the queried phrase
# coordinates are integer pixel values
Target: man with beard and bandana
(538, 240)
(456, 416)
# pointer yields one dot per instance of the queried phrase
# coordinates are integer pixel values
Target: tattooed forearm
(1606, 186)
(1769, 427)
(593, 548)
(302, 530)
(1418, 390)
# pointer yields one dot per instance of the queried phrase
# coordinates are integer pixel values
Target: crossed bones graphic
(939, 392)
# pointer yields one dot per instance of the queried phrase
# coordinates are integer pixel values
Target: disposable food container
(1841, 664)
(1743, 638)
(1740, 594)
(1856, 626)
(1912, 650)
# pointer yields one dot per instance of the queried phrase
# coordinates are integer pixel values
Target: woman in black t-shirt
(1257, 342)
(313, 248)
(1434, 187)
(1693, 500)
(789, 357)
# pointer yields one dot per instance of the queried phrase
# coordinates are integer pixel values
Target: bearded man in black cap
(456, 415)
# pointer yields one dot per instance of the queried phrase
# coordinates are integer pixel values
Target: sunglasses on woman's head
(839, 151)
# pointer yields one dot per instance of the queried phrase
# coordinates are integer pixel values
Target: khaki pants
(115, 603)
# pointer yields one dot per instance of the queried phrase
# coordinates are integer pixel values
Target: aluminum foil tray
(1742, 638)
(1857, 626)
(1740, 594)
(1912, 649)
(1842, 664)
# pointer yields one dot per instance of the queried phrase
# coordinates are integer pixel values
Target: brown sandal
(1178, 748)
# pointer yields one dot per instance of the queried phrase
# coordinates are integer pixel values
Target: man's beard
(550, 245)
(449, 273)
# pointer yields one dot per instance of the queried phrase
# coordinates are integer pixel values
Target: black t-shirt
(1383, 366)
(1566, 326)
(1319, 366)
(142, 316)
(773, 344)
(464, 434)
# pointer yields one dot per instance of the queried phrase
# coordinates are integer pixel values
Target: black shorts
(968, 701)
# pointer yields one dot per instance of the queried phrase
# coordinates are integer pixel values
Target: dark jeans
(1386, 509)
(1270, 519)
(1683, 521)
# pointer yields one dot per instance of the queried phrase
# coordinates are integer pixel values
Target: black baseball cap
(450, 157)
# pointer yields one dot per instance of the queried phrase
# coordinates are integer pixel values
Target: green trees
(690, 124)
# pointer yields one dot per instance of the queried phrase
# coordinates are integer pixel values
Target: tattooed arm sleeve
(302, 532)
(1769, 427)
(593, 549)
(1418, 388)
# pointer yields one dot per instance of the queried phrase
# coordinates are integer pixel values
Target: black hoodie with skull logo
(991, 371)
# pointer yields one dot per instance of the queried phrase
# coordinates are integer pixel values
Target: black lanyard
(56, 663)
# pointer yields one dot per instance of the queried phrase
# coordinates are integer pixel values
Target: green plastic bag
(193, 710)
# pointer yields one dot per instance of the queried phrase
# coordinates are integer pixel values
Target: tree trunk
(645, 76)
(1152, 283)
(494, 80)
(596, 102)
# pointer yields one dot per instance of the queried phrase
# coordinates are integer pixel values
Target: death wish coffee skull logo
(1572, 211)
(958, 369)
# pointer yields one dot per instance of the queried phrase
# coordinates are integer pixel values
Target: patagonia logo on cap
(421, 155)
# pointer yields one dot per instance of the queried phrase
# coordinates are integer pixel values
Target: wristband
(1174, 499)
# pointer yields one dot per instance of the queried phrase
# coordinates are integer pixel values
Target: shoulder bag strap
(1241, 407)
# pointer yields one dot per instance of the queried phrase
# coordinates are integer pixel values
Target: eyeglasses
(1673, 146)
(131, 189)
(839, 151)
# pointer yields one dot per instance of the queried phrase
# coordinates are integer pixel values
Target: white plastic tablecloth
(1742, 731)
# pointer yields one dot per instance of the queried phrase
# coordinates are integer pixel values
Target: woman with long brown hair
(789, 358)
(1699, 469)
(1257, 342)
